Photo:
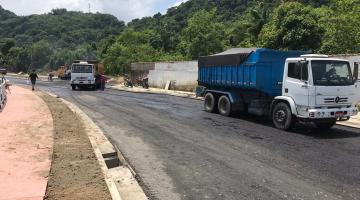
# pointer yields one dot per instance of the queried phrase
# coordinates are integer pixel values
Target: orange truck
(64, 72)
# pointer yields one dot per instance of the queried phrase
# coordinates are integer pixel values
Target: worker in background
(50, 77)
(102, 82)
(33, 76)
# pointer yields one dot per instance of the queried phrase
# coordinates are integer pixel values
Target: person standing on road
(33, 76)
(102, 82)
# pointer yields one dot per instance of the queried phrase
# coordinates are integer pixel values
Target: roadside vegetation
(195, 28)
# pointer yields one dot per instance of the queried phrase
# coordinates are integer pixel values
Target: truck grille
(332, 100)
(81, 78)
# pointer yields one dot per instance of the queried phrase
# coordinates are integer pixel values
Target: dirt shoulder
(75, 172)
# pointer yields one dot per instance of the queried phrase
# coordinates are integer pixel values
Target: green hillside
(202, 27)
(195, 28)
(52, 39)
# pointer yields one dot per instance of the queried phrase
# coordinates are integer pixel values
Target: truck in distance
(64, 72)
(84, 74)
(286, 86)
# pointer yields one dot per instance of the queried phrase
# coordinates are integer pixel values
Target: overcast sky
(125, 10)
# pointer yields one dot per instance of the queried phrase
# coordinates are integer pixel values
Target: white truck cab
(319, 89)
(83, 75)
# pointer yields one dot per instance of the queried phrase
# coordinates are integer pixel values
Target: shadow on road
(308, 129)
(337, 132)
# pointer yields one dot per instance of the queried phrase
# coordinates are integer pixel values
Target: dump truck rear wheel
(224, 105)
(210, 103)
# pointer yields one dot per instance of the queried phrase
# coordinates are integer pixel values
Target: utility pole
(89, 8)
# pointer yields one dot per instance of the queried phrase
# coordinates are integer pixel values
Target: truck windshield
(331, 73)
(82, 69)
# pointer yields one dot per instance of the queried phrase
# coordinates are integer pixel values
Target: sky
(124, 10)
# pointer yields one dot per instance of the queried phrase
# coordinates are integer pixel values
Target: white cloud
(122, 9)
(179, 2)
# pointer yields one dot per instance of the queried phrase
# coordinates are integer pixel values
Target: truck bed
(254, 69)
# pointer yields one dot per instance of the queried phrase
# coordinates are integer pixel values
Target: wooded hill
(195, 28)
(52, 39)
(202, 27)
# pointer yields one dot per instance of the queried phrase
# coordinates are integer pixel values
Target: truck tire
(210, 103)
(224, 106)
(325, 125)
(282, 116)
(73, 87)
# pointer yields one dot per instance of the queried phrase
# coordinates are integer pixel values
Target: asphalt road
(181, 152)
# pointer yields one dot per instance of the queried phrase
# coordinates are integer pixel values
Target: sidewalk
(26, 141)
(353, 122)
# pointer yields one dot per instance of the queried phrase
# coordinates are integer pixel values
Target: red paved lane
(26, 141)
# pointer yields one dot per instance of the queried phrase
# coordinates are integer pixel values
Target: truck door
(296, 84)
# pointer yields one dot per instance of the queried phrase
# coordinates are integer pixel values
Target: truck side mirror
(356, 71)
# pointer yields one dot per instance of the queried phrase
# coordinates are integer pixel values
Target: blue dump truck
(286, 86)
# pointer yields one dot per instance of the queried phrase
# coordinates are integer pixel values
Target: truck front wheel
(282, 116)
(224, 106)
(73, 87)
(210, 103)
(325, 125)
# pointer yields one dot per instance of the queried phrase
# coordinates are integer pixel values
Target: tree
(5, 47)
(293, 26)
(60, 30)
(131, 46)
(238, 34)
(342, 24)
(257, 18)
(203, 35)
(41, 52)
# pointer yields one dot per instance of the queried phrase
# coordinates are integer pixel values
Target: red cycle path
(26, 141)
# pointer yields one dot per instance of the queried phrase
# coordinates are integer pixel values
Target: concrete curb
(119, 177)
(347, 124)
(158, 92)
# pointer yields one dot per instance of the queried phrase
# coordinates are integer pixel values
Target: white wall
(352, 58)
(184, 73)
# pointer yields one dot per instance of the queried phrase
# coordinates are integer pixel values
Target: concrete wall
(354, 58)
(140, 70)
(185, 74)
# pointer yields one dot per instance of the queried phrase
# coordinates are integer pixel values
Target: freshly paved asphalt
(181, 152)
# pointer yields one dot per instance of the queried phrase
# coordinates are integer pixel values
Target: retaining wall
(353, 58)
(184, 74)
